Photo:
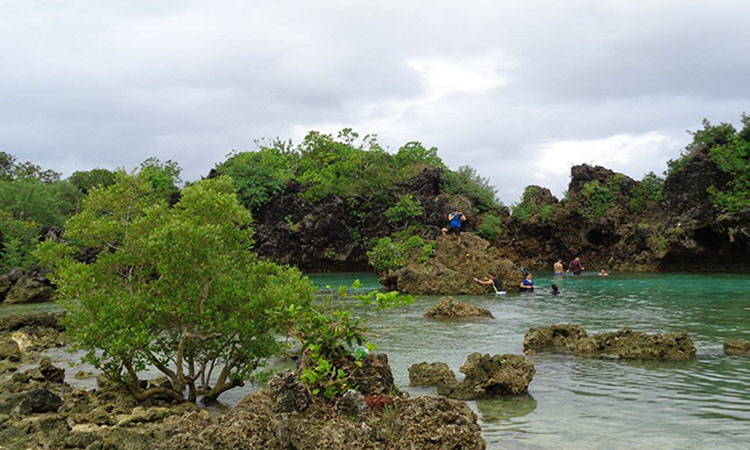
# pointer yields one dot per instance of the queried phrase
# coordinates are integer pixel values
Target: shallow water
(577, 402)
(599, 403)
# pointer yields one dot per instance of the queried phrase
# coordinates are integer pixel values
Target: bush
(649, 191)
(598, 199)
(405, 209)
(465, 181)
(491, 228)
(531, 205)
(733, 157)
(387, 254)
(178, 288)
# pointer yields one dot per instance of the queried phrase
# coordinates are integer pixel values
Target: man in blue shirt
(455, 217)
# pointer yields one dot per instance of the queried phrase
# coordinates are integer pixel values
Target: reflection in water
(503, 409)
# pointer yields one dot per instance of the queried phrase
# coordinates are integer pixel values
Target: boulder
(736, 347)
(352, 404)
(37, 401)
(450, 308)
(431, 374)
(29, 289)
(490, 376)
(374, 376)
(288, 392)
(51, 373)
(622, 344)
(9, 349)
(5, 285)
(555, 337)
(452, 269)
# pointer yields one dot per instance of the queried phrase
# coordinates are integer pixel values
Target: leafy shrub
(531, 205)
(733, 157)
(257, 176)
(405, 209)
(387, 255)
(491, 228)
(598, 199)
(85, 180)
(650, 190)
(465, 181)
(703, 141)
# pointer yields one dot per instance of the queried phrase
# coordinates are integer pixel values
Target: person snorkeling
(492, 280)
(527, 284)
(554, 290)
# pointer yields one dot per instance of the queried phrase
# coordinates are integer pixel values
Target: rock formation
(491, 376)
(736, 347)
(450, 308)
(452, 269)
(431, 374)
(622, 344)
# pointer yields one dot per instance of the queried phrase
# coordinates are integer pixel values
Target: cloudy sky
(520, 90)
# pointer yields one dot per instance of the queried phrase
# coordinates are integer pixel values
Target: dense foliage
(405, 209)
(491, 227)
(173, 288)
(393, 253)
(533, 203)
(649, 191)
(465, 181)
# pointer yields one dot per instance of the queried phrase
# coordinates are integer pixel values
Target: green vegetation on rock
(405, 209)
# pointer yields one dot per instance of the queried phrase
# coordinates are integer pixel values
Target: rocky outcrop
(9, 349)
(736, 347)
(29, 289)
(491, 376)
(452, 269)
(622, 344)
(431, 374)
(450, 308)
(555, 337)
(31, 333)
(372, 375)
(421, 422)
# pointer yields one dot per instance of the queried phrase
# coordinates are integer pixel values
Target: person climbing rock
(558, 267)
(492, 280)
(455, 218)
(527, 284)
(576, 266)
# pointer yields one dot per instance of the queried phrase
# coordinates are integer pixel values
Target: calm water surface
(578, 403)
(598, 403)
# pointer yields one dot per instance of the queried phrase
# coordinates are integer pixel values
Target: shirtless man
(558, 267)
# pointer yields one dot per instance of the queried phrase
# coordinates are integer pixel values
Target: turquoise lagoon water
(580, 403)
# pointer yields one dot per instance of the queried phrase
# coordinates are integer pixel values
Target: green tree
(176, 288)
(85, 180)
(466, 181)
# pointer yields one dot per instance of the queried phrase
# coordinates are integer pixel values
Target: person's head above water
(492, 273)
(528, 275)
(555, 289)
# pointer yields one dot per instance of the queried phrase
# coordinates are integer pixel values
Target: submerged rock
(736, 347)
(555, 337)
(622, 344)
(431, 374)
(489, 376)
(450, 308)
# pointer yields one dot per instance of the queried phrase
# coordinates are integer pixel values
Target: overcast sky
(520, 90)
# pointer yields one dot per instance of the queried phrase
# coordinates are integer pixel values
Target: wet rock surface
(736, 347)
(622, 344)
(490, 376)
(452, 269)
(431, 374)
(450, 308)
